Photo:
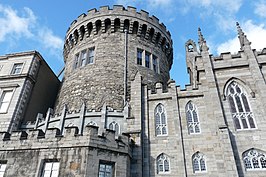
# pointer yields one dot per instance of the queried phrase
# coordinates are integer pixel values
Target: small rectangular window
(91, 56)
(76, 61)
(147, 59)
(5, 100)
(155, 63)
(106, 169)
(83, 58)
(139, 57)
(2, 168)
(50, 169)
(17, 68)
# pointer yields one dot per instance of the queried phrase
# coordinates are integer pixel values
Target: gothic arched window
(160, 120)
(254, 160)
(114, 126)
(192, 118)
(199, 162)
(163, 164)
(241, 111)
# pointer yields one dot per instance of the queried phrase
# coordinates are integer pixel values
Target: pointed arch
(115, 126)
(254, 159)
(190, 46)
(236, 94)
(193, 122)
(163, 163)
(160, 120)
(92, 123)
(199, 162)
(239, 81)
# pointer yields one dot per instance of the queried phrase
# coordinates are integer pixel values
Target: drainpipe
(125, 69)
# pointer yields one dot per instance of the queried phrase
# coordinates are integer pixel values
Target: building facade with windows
(25, 78)
(117, 113)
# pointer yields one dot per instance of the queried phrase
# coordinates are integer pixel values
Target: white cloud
(14, 25)
(49, 40)
(256, 34)
(160, 3)
(221, 13)
(217, 5)
(260, 8)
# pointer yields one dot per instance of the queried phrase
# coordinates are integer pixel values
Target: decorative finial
(242, 37)
(202, 43)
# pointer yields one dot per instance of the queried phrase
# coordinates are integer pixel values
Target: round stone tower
(103, 51)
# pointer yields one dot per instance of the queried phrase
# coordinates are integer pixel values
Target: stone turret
(104, 49)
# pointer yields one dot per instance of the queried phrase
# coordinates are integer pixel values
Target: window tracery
(114, 126)
(192, 118)
(160, 120)
(240, 108)
(163, 164)
(254, 160)
(199, 163)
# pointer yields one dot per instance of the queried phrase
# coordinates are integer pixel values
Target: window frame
(48, 161)
(147, 59)
(90, 58)
(159, 124)
(139, 56)
(250, 155)
(155, 64)
(193, 123)
(3, 164)
(161, 160)
(106, 163)
(244, 118)
(14, 68)
(83, 57)
(115, 127)
(4, 90)
(198, 157)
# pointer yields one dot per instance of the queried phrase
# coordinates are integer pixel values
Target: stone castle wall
(25, 153)
(103, 80)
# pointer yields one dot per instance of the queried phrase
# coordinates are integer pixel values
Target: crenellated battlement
(161, 88)
(187, 88)
(189, 91)
(52, 138)
(78, 118)
(118, 19)
(119, 9)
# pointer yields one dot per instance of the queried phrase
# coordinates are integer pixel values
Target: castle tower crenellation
(96, 47)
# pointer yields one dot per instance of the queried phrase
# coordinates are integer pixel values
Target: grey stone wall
(103, 80)
(210, 76)
(77, 155)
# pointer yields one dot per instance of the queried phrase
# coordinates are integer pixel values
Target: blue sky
(41, 25)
